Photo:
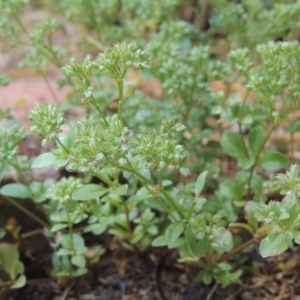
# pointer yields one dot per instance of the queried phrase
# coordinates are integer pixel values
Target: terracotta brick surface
(23, 93)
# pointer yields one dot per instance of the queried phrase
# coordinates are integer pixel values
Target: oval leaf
(200, 183)
(198, 248)
(16, 190)
(233, 144)
(273, 161)
(160, 241)
(121, 190)
(89, 192)
(256, 139)
(20, 282)
(44, 160)
(174, 231)
(96, 229)
(273, 244)
(78, 261)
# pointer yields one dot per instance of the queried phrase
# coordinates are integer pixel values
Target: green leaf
(160, 241)
(138, 234)
(44, 160)
(273, 161)
(223, 242)
(9, 257)
(78, 261)
(19, 268)
(3, 169)
(16, 190)
(242, 225)
(178, 243)
(198, 248)
(20, 282)
(200, 183)
(89, 192)
(231, 190)
(96, 229)
(297, 237)
(2, 233)
(58, 227)
(207, 278)
(250, 209)
(233, 144)
(174, 231)
(256, 139)
(68, 241)
(117, 232)
(62, 252)
(80, 272)
(273, 244)
(121, 190)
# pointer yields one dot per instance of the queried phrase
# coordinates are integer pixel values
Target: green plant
(11, 268)
(104, 147)
(131, 151)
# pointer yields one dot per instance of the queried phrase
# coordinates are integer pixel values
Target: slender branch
(273, 127)
(62, 145)
(25, 210)
(94, 103)
(103, 178)
(48, 85)
(240, 248)
(164, 193)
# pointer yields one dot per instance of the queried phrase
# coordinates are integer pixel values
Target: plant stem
(48, 85)
(164, 193)
(190, 210)
(70, 225)
(94, 102)
(273, 127)
(62, 145)
(120, 82)
(103, 177)
(121, 96)
(25, 210)
(240, 248)
(21, 173)
(292, 220)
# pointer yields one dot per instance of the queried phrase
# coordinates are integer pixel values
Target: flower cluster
(207, 224)
(97, 144)
(122, 57)
(158, 147)
(289, 183)
(279, 70)
(240, 60)
(83, 72)
(9, 139)
(62, 190)
(69, 210)
(47, 121)
(268, 213)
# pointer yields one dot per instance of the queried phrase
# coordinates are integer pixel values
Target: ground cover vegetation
(192, 166)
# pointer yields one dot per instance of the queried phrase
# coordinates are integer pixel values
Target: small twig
(240, 248)
(211, 292)
(31, 233)
(67, 291)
